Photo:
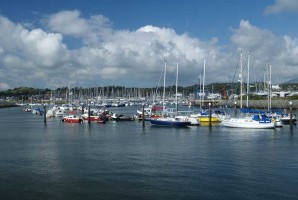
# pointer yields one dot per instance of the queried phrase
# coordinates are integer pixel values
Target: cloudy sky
(51, 43)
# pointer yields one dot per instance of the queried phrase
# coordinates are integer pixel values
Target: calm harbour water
(124, 160)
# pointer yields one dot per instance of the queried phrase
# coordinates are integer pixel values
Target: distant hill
(294, 80)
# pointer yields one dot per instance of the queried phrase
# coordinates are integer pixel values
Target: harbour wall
(7, 105)
(260, 104)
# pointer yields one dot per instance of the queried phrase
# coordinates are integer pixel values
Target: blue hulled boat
(169, 121)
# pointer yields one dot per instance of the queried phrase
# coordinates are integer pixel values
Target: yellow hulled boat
(206, 119)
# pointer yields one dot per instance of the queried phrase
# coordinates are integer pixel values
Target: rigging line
(264, 75)
(158, 82)
(236, 70)
(234, 85)
(245, 64)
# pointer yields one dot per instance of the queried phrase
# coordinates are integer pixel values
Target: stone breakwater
(260, 104)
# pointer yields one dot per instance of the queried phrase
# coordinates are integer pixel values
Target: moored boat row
(159, 116)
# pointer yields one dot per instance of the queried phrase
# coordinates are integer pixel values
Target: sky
(90, 43)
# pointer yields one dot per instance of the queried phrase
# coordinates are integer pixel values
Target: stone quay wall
(260, 104)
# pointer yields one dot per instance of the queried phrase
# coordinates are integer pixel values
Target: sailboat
(203, 117)
(255, 121)
(172, 121)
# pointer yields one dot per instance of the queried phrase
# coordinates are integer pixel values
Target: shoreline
(254, 104)
(7, 105)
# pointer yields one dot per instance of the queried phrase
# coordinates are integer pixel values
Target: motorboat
(72, 119)
(121, 117)
(92, 117)
(286, 118)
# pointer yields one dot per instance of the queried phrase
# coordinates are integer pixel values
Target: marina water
(124, 160)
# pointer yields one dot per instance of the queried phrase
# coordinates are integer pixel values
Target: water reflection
(147, 162)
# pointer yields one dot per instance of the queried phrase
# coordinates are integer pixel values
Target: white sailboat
(169, 120)
(256, 121)
(252, 122)
(203, 117)
(184, 115)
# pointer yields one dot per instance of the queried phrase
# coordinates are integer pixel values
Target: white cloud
(289, 52)
(113, 72)
(282, 6)
(43, 48)
(4, 86)
(267, 48)
(259, 41)
(123, 54)
(40, 58)
(25, 52)
(69, 23)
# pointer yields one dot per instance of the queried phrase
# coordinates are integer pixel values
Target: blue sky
(124, 42)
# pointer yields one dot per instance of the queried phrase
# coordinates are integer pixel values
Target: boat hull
(207, 119)
(288, 121)
(169, 122)
(248, 124)
(72, 119)
(92, 118)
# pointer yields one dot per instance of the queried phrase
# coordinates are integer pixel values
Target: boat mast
(201, 92)
(51, 97)
(204, 82)
(177, 89)
(269, 88)
(164, 87)
(69, 93)
(264, 83)
(241, 79)
(247, 88)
